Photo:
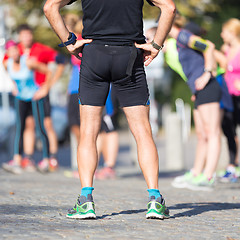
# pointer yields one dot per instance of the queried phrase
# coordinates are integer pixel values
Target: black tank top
(113, 21)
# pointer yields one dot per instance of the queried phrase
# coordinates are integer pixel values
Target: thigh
(199, 125)
(138, 119)
(90, 118)
(210, 115)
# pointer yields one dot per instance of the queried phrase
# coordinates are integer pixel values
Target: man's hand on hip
(77, 47)
(149, 52)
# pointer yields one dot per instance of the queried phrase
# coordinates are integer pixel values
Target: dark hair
(23, 27)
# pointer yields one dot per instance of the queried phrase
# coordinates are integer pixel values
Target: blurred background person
(28, 102)
(198, 63)
(44, 54)
(230, 60)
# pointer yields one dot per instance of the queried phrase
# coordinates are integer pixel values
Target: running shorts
(211, 93)
(73, 110)
(105, 64)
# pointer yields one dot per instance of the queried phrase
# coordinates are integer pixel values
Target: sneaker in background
(182, 181)
(28, 165)
(105, 173)
(83, 209)
(12, 167)
(53, 164)
(156, 209)
(43, 166)
(201, 183)
(230, 175)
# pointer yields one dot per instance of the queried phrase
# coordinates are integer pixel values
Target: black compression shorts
(105, 64)
(47, 106)
(211, 93)
(73, 110)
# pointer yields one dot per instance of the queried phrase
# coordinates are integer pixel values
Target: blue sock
(154, 192)
(86, 190)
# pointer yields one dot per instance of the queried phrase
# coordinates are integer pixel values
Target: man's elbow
(172, 8)
(48, 7)
(168, 6)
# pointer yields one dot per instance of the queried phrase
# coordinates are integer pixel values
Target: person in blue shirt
(28, 101)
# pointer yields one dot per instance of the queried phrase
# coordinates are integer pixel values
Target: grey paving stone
(33, 206)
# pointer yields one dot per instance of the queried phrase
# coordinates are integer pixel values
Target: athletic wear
(226, 99)
(43, 54)
(73, 110)
(192, 61)
(182, 181)
(113, 22)
(201, 183)
(102, 64)
(157, 209)
(74, 80)
(83, 209)
(47, 106)
(23, 109)
(210, 93)
(154, 192)
(12, 167)
(172, 58)
(24, 79)
(86, 191)
(233, 73)
(105, 173)
(229, 131)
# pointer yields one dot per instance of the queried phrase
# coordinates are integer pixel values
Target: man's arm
(52, 13)
(168, 11)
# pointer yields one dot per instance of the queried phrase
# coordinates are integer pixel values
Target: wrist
(156, 46)
(72, 38)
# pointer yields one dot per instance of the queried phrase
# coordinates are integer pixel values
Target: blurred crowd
(212, 75)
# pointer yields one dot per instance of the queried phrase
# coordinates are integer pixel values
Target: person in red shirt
(44, 54)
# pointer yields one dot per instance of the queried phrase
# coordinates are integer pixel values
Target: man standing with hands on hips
(114, 51)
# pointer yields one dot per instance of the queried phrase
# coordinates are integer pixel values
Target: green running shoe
(83, 209)
(201, 183)
(182, 181)
(157, 209)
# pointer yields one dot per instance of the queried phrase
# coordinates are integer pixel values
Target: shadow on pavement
(169, 174)
(8, 209)
(199, 208)
(122, 213)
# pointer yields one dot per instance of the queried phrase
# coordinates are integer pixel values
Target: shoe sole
(156, 216)
(83, 216)
(199, 188)
(17, 172)
(179, 185)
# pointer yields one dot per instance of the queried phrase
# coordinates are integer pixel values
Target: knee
(48, 124)
(29, 124)
(212, 132)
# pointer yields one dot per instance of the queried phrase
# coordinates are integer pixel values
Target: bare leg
(138, 119)
(29, 136)
(201, 150)
(76, 131)
(90, 119)
(210, 114)
(52, 137)
(110, 148)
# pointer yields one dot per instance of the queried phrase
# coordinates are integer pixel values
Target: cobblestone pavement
(33, 206)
